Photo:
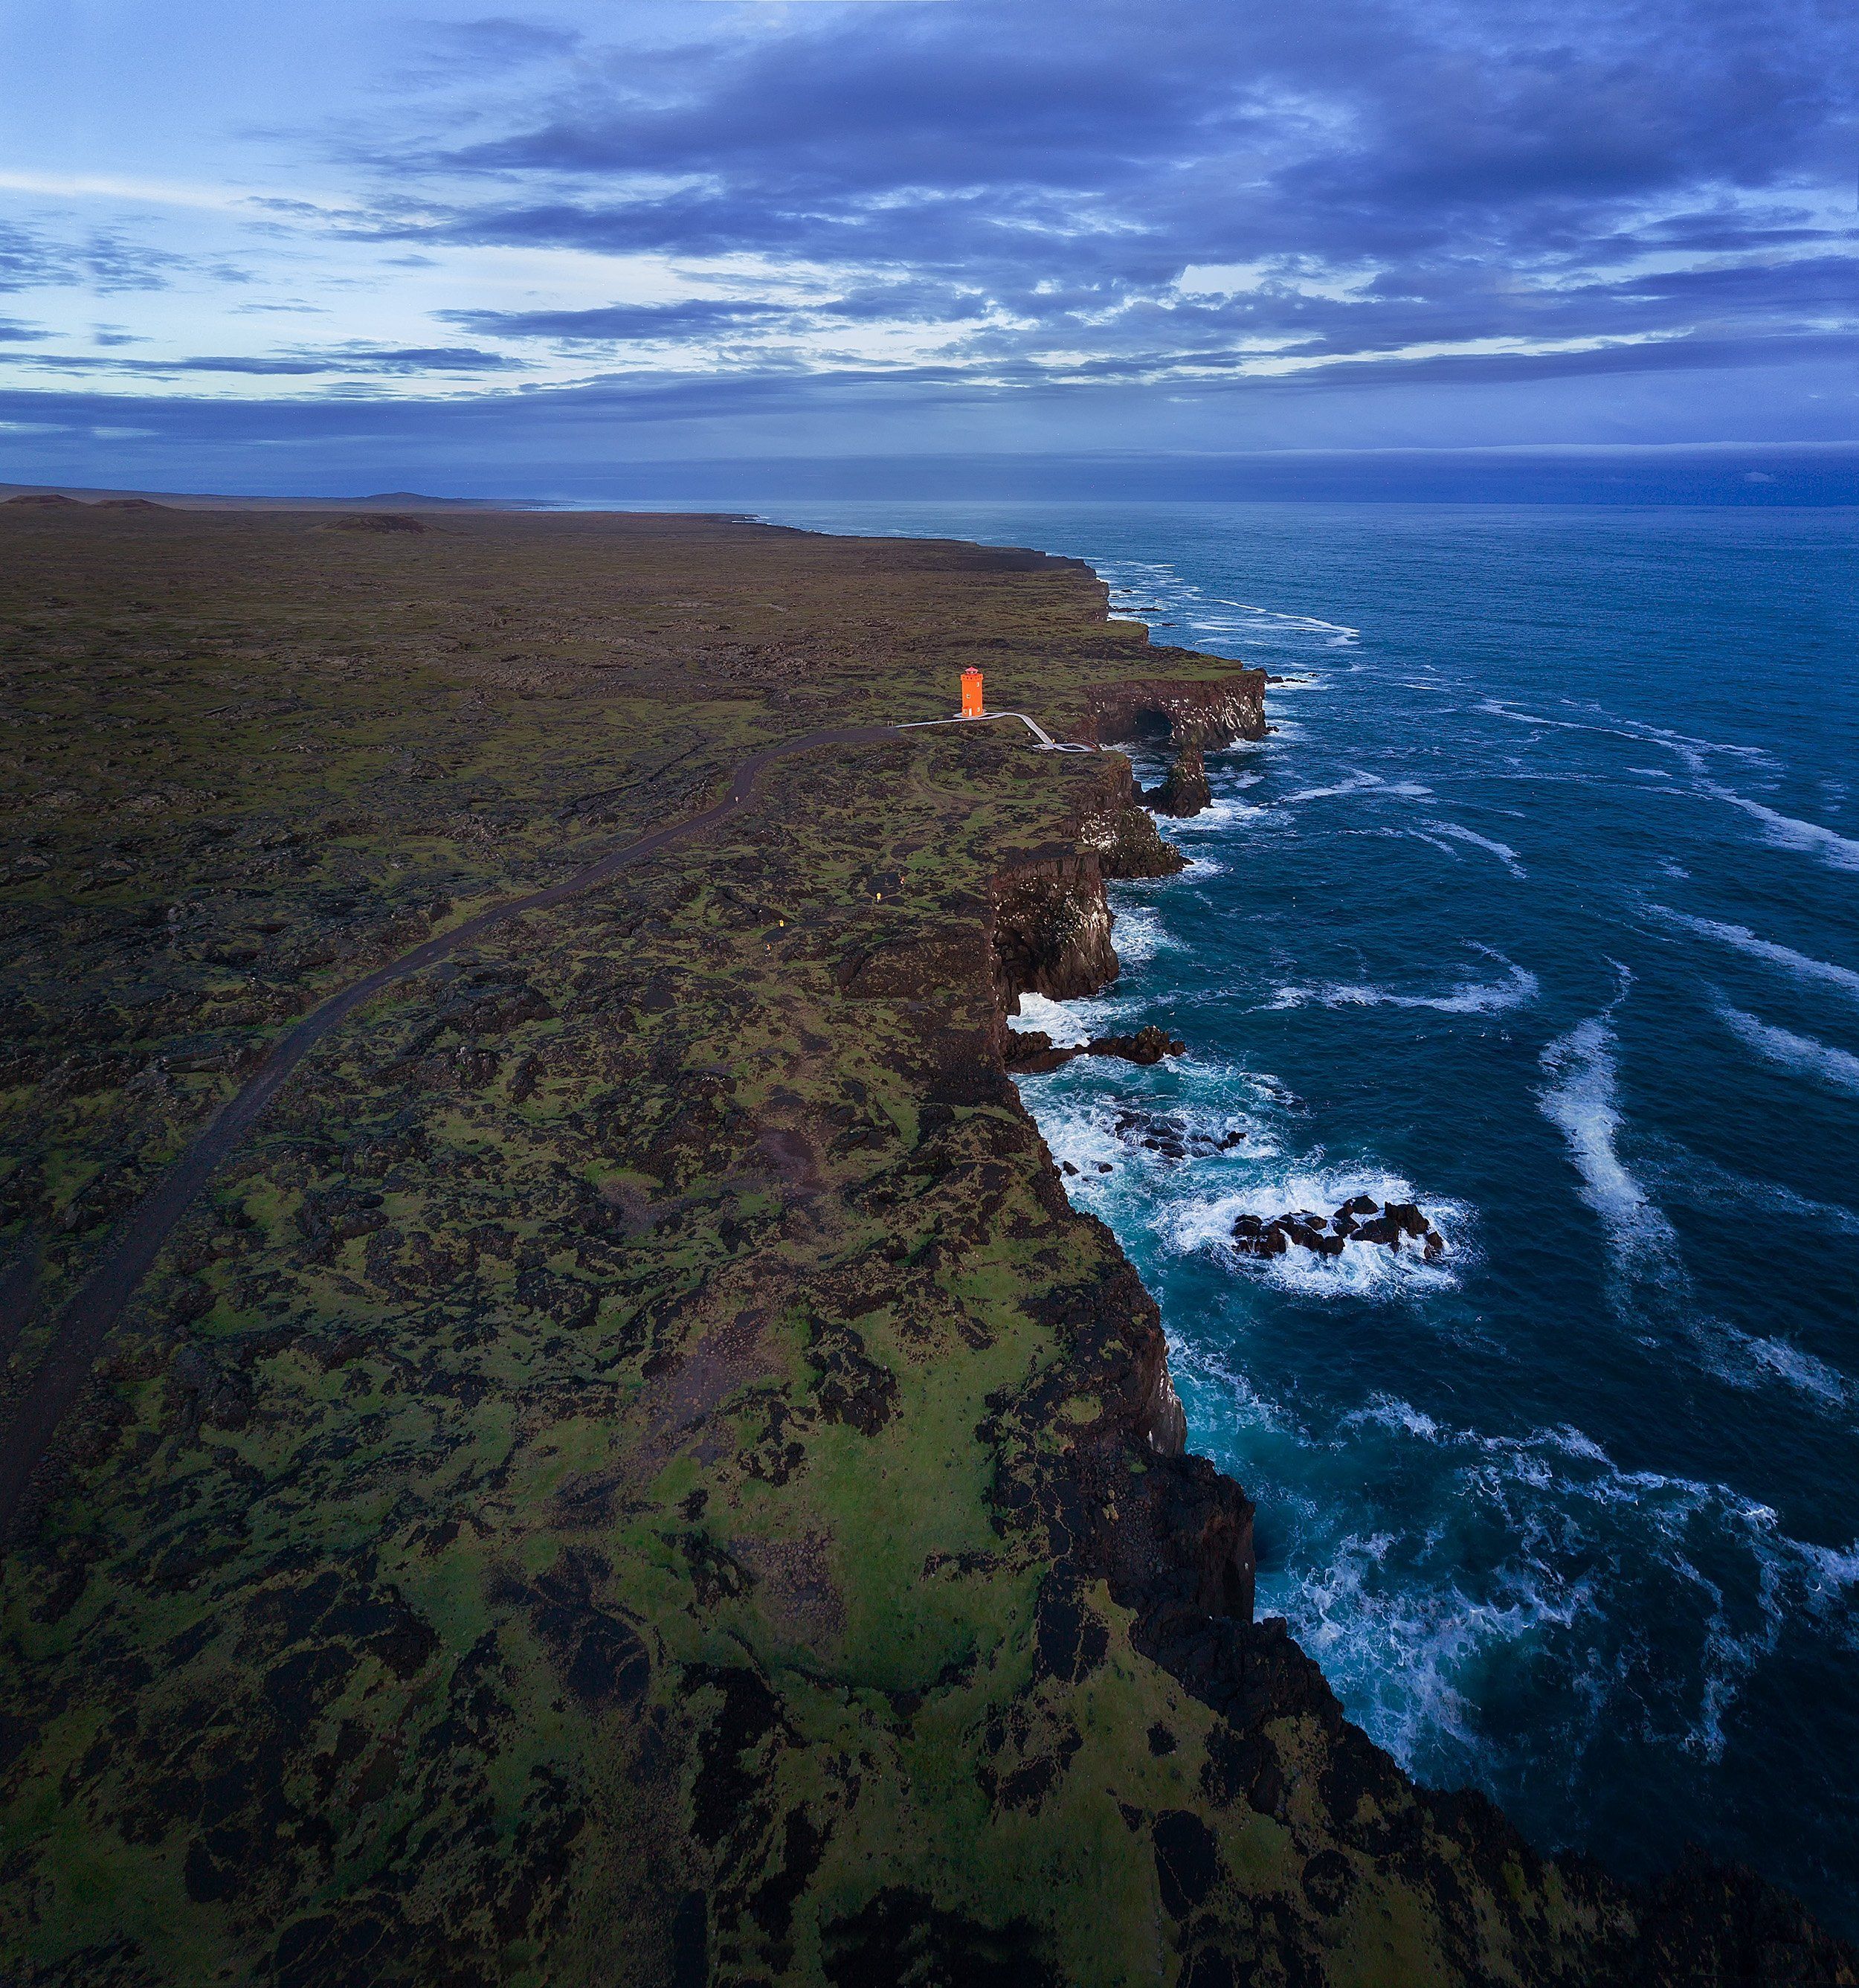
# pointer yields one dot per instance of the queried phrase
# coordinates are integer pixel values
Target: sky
(582, 247)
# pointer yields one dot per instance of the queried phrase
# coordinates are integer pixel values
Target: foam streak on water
(1824, 972)
(1838, 1070)
(1583, 1102)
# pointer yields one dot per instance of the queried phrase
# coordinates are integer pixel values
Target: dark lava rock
(1166, 1136)
(1174, 1138)
(1032, 1049)
(1325, 1236)
(208, 1394)
(1314, 1236)
(1185, 791)
(1149, 1045)
(337, 1215)
(1254, 1238)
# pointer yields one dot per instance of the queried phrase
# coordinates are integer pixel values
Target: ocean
(1539, 908)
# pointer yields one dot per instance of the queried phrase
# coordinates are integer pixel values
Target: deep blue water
(1540, 907)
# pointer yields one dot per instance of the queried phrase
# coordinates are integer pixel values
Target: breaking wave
(1408, 1626)
(1363, 1270)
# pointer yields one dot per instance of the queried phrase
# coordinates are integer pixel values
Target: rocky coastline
(1173, 1538)
(634, 1471)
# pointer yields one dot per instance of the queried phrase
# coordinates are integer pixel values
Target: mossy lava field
(627, 1470)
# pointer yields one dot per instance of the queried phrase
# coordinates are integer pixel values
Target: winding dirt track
(98, 1302)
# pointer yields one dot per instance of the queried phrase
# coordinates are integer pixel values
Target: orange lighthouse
(970, 693)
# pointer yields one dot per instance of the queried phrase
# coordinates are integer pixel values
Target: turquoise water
(1540, 907)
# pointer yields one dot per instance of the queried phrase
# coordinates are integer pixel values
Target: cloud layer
(1252, 227)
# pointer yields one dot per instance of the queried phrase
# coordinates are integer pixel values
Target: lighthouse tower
(972, 705)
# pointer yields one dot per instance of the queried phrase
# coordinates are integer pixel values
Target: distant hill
(398, 500)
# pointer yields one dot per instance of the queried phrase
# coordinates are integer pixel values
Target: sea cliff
(633, 1471)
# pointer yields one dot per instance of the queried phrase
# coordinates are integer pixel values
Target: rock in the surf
(1031, 1049)
(1390, 1224)
(1149, 1045)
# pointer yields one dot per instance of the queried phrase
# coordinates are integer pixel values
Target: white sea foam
(1801, 1369)
(1400, 1623)
(1783, 831)
(1147, 588)
(1198, 1361)
(1139, 933)
(1361, 782)
(1838, 1070)
(1362, 1269)
(1058, 1019)
(1287, 621)
(1787, 831)
(1502, 851)
(1835, 1567)
(1800, 964)
(1685, 744)
(1517, 989)
(1747, 1360)
(1390, 1411)
(1081, 1112)
(1399, 1647)
(1581, 1103)
(1420, 835)
(1224, 811)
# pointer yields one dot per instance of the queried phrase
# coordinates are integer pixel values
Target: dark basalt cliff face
(1050, 922)
(1114, 823)
(1187, 712)
(1194, 716)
